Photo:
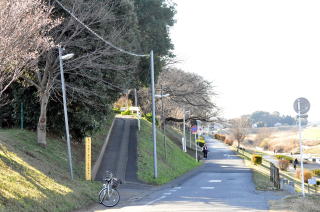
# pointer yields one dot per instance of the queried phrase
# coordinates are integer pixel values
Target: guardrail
(284, 177)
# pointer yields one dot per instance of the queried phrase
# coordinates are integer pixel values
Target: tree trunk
(42, 123)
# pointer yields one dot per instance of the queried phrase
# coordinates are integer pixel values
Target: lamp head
(67, 56)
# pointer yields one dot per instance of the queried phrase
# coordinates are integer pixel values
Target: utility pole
(164, 125)
(184, 132)
(135, 98)
(21, 115)
(154, 135)
(65, 109)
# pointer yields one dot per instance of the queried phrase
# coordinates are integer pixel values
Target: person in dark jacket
(295, 163)
(205, 151)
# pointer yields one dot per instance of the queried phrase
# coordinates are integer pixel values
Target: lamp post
(61, 58)
(184, 143)
(164, 122)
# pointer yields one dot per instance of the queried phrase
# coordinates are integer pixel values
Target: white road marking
(215, 181)
(225, 166)
(177, 188)
(172, 190)
(153, 201)
(207, 188)
(167, 193)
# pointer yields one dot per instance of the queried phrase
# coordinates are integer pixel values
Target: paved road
(222, 184)
(121, 152)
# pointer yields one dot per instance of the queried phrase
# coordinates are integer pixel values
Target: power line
(98, 36)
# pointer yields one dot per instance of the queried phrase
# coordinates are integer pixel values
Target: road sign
(301, 106)
(194, 129)
(304, 105)
(312, 181)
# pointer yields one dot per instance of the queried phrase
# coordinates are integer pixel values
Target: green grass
(176, 164)
(34, 178)
(260, 175)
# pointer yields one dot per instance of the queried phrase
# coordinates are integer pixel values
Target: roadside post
(184, 143)
(88, 157)
(21, 116)
(194, 131)
(301, 106)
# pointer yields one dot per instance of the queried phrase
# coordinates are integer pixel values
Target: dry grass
(284, 140)
(283, 165)
(296, 204)
(307, 174)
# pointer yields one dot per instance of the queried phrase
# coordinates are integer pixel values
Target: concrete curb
(103, 149)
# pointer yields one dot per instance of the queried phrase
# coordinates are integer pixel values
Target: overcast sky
(260, 55)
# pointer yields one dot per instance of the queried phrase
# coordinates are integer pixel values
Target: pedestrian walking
(295, 163)
(205, 151)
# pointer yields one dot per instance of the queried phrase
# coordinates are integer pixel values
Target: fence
(285, 181)
(274, 176)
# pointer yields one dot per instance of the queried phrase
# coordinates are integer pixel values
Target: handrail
(266, 164)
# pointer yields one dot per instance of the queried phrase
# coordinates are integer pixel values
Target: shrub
(284, 157)
(316, 172)
(228, 141)
(219, 137)
(264, 144)
(148, 117)
(126, 112)
(256, 159)
(284, 164)
(123, 101)
(307, 175)
(116, 110)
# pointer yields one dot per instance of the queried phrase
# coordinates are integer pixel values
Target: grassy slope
(177, 162)
(37, 179)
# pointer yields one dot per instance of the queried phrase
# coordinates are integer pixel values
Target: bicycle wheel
(111, 199)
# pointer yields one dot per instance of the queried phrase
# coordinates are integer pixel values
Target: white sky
(260, 55)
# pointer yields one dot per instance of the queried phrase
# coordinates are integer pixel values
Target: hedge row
(284, 157)
(219, 137)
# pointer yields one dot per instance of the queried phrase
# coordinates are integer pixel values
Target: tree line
(30, 33)
(266, 119)
(32, 30)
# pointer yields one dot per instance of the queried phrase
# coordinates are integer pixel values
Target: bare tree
(23, 37)
(188, 92)
(86, 74)
(240, 129)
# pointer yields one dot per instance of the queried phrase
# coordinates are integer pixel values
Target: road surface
(222, 184)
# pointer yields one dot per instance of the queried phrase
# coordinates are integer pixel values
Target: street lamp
(61, 58)
(184, 142)
(164, 123)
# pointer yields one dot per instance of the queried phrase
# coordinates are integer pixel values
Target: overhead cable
(98, 36)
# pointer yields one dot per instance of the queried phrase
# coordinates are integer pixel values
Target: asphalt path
(222, 184)
(121, 152)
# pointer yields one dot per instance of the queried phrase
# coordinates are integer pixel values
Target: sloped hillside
(34, 178)
(175, 164)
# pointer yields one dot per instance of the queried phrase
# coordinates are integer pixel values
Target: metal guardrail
(285, 177)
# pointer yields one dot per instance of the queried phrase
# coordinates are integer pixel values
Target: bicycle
(109, 195)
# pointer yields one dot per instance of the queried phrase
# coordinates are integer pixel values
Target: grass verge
(34, 178)
(176, 163)
(296, 203)
(260, 176)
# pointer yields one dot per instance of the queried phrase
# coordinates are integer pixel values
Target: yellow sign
(201, 141)
(88, 158)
